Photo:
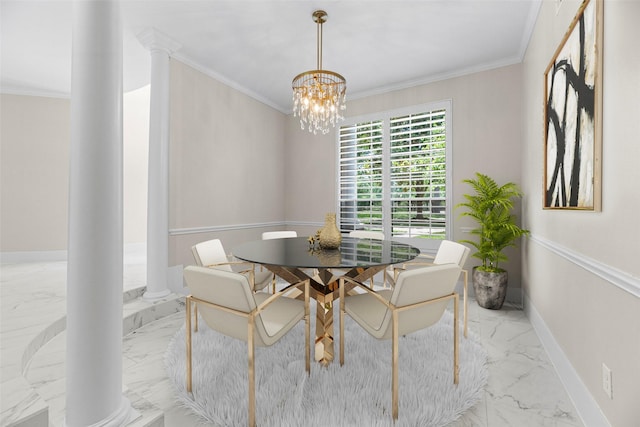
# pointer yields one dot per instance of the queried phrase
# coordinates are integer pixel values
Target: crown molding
(228, 82)
(409, 84)
(529, 27)
(21, 91)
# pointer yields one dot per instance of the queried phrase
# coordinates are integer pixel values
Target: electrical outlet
(606, 381)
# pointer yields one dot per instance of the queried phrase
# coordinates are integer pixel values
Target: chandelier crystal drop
(319, 96)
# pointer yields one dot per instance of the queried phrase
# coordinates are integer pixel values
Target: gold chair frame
(394, 334)
(251, 270)
(251, 317)
(465, 288)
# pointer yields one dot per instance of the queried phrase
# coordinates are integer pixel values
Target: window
(394, 171)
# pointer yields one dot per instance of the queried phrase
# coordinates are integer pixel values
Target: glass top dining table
(294, 260)
(353, 252)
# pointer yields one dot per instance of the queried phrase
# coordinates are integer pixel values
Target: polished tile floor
(523, 388)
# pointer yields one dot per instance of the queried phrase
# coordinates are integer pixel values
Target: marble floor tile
(523, 388)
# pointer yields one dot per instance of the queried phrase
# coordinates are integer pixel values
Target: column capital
(153, 39)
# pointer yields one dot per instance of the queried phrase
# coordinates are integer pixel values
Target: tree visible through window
(393, 173)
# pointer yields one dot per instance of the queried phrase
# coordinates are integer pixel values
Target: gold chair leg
(455, 339)
(188, 330)
(307, 332)
(464, 300)
(341, 322)
(252, 280)
(394, 368)
(252, 374)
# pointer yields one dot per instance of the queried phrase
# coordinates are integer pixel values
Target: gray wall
(591, 318)
(34, 179)
(226, 164)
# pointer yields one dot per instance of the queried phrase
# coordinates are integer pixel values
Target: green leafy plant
(491, 206)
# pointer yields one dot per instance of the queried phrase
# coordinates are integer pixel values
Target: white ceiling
(259, 46)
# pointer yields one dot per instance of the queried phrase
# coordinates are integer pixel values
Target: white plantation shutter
(418, 174)
(361, 177)
(393, 173)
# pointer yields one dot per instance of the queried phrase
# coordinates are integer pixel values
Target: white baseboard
(585, 404)
(514, 296)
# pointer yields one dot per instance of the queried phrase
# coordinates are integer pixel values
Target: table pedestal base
(324, 289)
(324, 330)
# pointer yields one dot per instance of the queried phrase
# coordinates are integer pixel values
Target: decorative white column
(95, 248)
(161, 48)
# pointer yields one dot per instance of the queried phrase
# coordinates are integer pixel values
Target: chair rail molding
(319, 224)
(227, 227)
(231, 227)
(614, 276)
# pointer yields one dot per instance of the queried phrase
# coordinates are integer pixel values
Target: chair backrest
(418, 285)
(209, 253)
(278, 235)
(451, 253)
(366, 234)
(226, 289)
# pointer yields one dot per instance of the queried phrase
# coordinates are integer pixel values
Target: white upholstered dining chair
(409, 307)
(284, 234)
(211, 254)
(227, 304)
(448, 252)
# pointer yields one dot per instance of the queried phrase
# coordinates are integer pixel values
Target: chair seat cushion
(368, 311)
(279, 316)
(262, 279)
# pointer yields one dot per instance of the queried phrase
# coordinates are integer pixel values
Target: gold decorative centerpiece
(330, 237)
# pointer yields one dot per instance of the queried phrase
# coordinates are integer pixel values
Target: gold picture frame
(573, 115)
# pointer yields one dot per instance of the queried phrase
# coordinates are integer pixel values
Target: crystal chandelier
(319, 95)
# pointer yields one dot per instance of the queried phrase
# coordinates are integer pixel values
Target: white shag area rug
(356, 394)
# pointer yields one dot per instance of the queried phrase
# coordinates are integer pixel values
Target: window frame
(426, 245)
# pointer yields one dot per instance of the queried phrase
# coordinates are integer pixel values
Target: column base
(154, 296)
(121, 417)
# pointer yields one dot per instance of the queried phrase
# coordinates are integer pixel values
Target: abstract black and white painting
(573, 115)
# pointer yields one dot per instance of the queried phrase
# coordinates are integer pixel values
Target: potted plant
(492, 208)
